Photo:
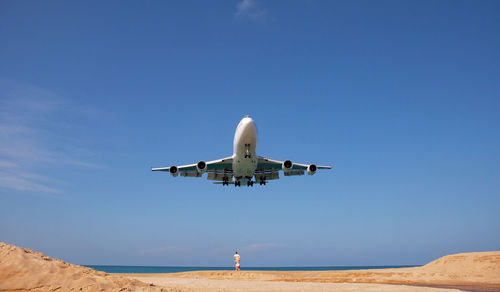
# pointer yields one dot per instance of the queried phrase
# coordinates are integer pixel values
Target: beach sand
(255, 285)
(26, 270)
(478, 271)
(23, 269)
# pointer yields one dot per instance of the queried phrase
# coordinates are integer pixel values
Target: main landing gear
(237, 182)
(225, 181)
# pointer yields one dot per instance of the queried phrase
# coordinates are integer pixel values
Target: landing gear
(249, 181)
(247, 151)
(262, 181)
(225, 181)
(237, 183)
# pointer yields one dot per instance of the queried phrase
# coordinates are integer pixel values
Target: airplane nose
(247, 124)
(249, 121)
(250, 125)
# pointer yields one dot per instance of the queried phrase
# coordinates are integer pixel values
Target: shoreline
(119, 269)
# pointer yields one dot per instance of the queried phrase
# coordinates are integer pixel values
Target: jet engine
(287, 165)
(174, 171)
(201, 166)
(311, 169)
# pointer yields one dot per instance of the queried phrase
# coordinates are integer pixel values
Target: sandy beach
(471, 271)
(255, 285)
(478, 271)
(23, 269)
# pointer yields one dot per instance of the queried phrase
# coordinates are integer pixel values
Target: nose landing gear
(247, 151)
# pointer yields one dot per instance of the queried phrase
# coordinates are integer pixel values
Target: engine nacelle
(201, 166)
(287, 165)
(174, 171)
(311, 169)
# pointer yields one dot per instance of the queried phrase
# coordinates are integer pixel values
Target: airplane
(244, 164)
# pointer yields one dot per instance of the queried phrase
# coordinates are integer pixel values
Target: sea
(167, 269)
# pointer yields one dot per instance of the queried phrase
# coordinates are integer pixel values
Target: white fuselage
(245, 146)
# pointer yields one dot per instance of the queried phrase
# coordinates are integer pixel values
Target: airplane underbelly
(244, 167)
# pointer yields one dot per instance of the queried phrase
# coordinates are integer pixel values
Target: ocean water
(157, 269)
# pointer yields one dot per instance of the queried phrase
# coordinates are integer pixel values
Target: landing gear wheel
(250, 183)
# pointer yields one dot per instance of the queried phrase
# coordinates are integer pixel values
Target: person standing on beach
(236, 258)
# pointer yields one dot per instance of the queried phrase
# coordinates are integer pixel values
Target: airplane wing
(269, 168)
(216, 169)
(222, 169)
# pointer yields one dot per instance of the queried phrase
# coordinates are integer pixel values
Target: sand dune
(22, 269)
(26, 270)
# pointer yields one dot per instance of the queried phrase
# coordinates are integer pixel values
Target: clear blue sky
(402, 97)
